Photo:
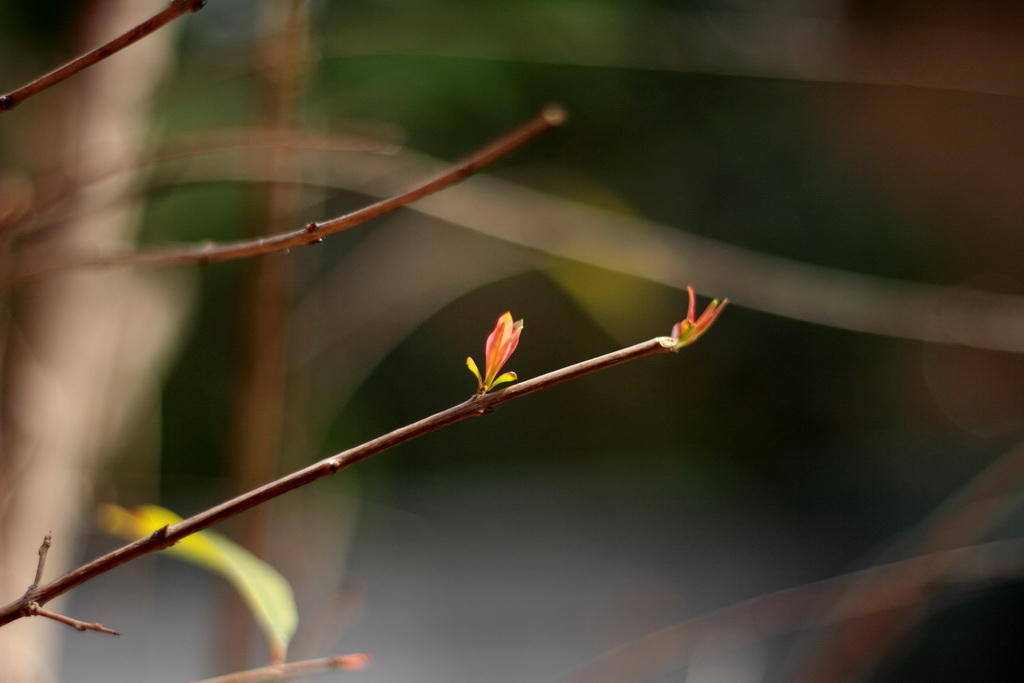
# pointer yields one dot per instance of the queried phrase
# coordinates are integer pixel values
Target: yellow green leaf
(267, 593)
(471, 364)
(504, 377)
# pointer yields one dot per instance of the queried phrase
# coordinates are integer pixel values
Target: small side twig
(277, 672)
(175, 9)
(479, 404)
(34, 610)
(44, 549)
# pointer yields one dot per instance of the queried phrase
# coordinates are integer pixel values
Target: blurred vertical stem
(257, 428)
(84, 352)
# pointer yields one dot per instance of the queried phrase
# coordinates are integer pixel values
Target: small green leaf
(267, 593)
(471, 364)
(504, 377)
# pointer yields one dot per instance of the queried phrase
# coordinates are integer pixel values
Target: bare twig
(34, 610)
(311, 233)
(478, 404)
(175, 9)
(276, 672)
(44, 549)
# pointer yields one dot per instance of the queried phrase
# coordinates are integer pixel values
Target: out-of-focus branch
(479, 404)
(773, 284)
(866, 592)
(175, 9)
(279, 672)
(49, 204)
(52, 261)
(861, 643)
(870, 606)
(256, 433)
(762, 43)
(656, 252)
(68, 407)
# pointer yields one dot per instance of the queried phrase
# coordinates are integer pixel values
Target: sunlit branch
(478, 404)
(280, 672)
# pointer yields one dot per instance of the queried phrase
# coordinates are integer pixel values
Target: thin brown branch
(311, 233)
(175, 9)
(479, 404)
(34, 610)
(277, 672)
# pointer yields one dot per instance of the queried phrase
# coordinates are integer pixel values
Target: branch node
(310, 228)
(159, 534)
(7, 102)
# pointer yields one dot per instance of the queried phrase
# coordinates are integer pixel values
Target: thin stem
(175, 9)
(36, 611)
(313, 232)
(256, 430)
(479, 404)
(277, 672)
(44, 549)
